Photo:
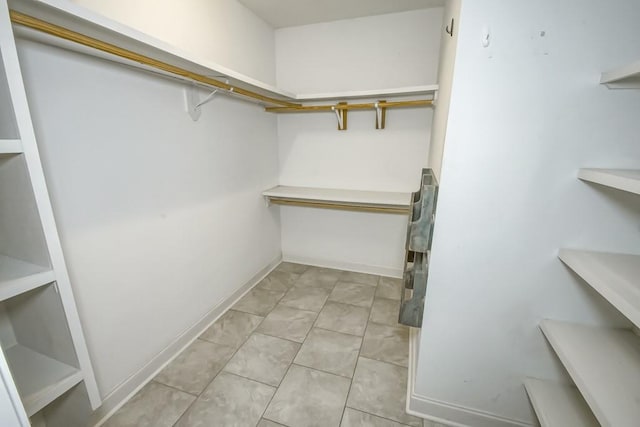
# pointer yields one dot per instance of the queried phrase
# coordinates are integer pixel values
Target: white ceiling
(290, 13)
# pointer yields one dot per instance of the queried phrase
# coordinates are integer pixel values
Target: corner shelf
(357, 200)
(393, 92)
(614, 276)
(40, 379)
(558, 405)
(18, 276)
(10, 146)
(625, 77)
(621, 179)
(605, 366)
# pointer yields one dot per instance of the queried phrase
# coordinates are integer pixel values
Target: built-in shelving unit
(621, 179)
(18, 276)
(371, 201)
(558, 405)
(625, 77)
(605, 366)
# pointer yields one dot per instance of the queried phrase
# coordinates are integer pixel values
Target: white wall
(366, 53)
(526, 113)
(223, 31)
(160, 217)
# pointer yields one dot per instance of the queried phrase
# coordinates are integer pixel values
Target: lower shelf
(39, 379)
(558, 405)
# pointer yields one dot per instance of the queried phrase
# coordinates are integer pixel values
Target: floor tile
(263, 358)
(308, 398)
(353, 418)
(389, 287)
(229, 401)
(386, 343)
(232, 328)
(381, 389)
(258, 301)
(155, 405)
(278, 281)
(363, 278)
(330, 351)
(196, 366)
(385, 311)
(345, 318)
(289, 323)
(353, 293)
(267, 423)
(292, 267)
(305, 298)
(317, 277)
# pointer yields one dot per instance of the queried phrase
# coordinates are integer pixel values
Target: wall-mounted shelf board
(40, 379)
(558, 405)
(625, 77)
(622, 179)
(18, 276)
(358, 200)
(605, 366)
(394, 92)
(615, 276)
(10, 146)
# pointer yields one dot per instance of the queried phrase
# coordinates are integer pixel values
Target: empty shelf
(10, 146)
(18, 276)
(605, 366)
(370, 201)
(40, 379)
(558, 405)
(402, 91)
(622, 179)
(615, 276)
(626, 77)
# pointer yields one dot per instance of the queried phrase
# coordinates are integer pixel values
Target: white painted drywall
(160, 217)
(526, 113)
(366, 53)
(223, 31)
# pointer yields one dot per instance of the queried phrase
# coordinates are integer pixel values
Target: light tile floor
(307, 347)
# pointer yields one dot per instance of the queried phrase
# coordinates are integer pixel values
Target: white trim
(345, 265)
(127, 389)
(446, 413)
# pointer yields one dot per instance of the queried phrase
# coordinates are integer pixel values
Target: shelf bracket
(341, 115)
(193, 103)
(381, 115)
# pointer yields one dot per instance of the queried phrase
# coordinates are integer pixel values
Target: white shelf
(622, 179)
(626, 77)
(402, 91)
(558, 405)
(18, 276)
(40, 379)
(356, 199)
(615, 276)
(605, 366)
(10, 146)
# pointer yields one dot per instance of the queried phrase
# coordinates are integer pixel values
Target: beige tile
(289, 323)
(259, 301)
(308, 398)
(390, 288)
(386, 343)
(317, 277)
(267, 423)
(345, 318)
(291, 267)
(353, 418)
(232, 328)
(279, 281)
(381, 389)
(330, 351)
(353, 293)
(155, 405)
(196, 366)
(263, 358)
(385, 311)
(229, 401)
(363, 278)
(306, 298)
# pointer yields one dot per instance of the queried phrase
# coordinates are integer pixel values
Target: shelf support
(341, 115)
(381, 115)
(193, 103)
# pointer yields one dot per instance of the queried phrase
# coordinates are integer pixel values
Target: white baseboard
(345, 265)
(446, 413)
(125, 391)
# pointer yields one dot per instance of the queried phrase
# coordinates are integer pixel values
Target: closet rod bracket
(341, 115)
(193, 103)
(381, 115)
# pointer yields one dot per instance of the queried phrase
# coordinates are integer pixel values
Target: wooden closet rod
(366, 106)
(61, 32)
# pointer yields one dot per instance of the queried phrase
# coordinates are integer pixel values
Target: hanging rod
(66, 34)
(365, 106)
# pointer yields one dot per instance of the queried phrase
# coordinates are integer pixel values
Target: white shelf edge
(621, 179)
(625, 77)
(17, 276)
(40, 379)
(400, 91)
(10, 146)
(614, 276)
(558, 405)
(604, 363)
(355, 198)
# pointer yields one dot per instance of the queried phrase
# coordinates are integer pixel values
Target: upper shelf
(356, 94)
(622, 179)
(626, 77)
